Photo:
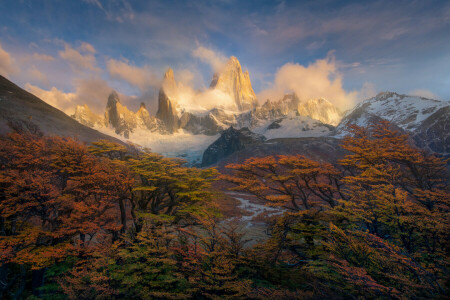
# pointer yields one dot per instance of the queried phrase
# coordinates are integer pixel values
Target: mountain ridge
(24, 112)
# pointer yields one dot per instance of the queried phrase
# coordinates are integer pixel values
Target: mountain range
(227, 118)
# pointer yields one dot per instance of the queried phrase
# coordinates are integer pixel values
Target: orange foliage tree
(55, 199)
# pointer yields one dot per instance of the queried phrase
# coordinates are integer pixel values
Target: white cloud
(92, 91)
(143, 77)
(319, 79)
(367, 91)
(77, 60)
(215, 59)
(7, 66)
(54, 97)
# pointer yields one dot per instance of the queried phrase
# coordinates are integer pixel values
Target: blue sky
(74, 51)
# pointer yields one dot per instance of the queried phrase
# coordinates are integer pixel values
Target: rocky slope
(230, 141)
(426, 120)
(22, 111)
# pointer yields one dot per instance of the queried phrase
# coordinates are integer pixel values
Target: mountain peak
(113, 99)
(169, 74)
(169, 85)
(234, 62)
(232, 81)
(386, 95)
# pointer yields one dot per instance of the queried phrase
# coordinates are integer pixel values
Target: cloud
(42, 57)
(77, 60)
(423, 93)
(87, 48)
(7, 66)
(142, 78)
(319, 79)
(367, 91)
(214, 59)
(92, 91)
(38, 75)
(54, 97)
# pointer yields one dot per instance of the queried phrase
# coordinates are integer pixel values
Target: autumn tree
(294, 182)
(55, 198)
(166, 186)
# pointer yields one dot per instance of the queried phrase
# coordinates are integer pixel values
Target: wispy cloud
(319, 79)
(423, 93)
(215, 59)
(79, 61)
(141, 77)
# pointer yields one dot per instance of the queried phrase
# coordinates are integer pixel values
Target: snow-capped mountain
(236, 105)
(407, 112)
(427, 120)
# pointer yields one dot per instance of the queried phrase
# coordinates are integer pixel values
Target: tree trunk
(123, 215)
(37, 281)
(23, 281)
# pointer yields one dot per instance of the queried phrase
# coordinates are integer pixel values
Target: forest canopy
(107, 221)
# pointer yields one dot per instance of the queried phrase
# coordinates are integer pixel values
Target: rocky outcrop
(434, 133)
(145, 121)
(85, 116)
(167, 111)
(232, 81)
(119, 117)
(230, 141)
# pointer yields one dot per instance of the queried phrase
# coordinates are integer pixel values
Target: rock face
(232, 81)
(175, 113)
(320, 109)
(24, 112)
(119, 117)
(230, 141)
(167, 111)
(434, 133)
(145, 121)
(85, 116)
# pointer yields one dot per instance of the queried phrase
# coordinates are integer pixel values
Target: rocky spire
(167, 112)
(236, 84)
(118, 116)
